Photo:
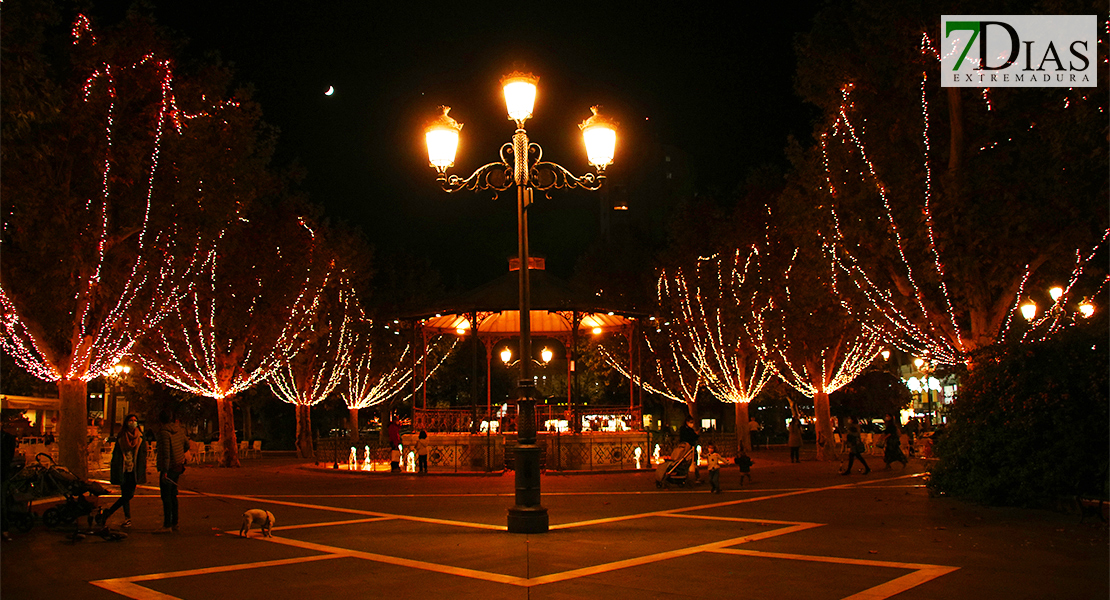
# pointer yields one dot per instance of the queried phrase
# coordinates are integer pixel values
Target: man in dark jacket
(172, 446)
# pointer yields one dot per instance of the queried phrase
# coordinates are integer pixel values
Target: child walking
(745, 463)
(422, 452)
(714, 461)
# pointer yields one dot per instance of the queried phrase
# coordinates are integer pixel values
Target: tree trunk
(225, 410)
(72, 434)
(956, 126)
(247, 433)
(354, 425)
(304, 431)
(825, 446)
(743, 432)
(692, 411)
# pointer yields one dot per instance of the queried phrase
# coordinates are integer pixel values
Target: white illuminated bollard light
(366, 464)
(352, 460)
(637, 454)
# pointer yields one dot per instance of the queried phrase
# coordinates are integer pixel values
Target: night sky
(714, 85)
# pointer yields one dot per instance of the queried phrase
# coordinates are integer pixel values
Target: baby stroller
(42, 480)
(676, 469)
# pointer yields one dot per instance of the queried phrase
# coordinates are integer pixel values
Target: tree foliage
(117, 164)
(920, 187)
(872, 394)
(1031, 424)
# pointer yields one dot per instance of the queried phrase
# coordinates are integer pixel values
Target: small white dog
(265, 520)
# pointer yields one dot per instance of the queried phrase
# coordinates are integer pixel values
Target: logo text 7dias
(1019, 51)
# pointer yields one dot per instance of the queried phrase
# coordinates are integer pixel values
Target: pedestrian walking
(127, 469)
(745, 463)
(795, 440)
(688, 435)
(714, 461)
(892, 453)
(753, 428)
(422, 452)
(855, 447)
(172, 445)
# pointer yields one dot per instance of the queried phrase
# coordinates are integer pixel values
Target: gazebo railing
(461, 420)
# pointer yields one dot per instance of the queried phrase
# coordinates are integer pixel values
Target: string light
(368, 386)
(313, 373)
(717, 344)
(104, 319)
(219, 340)
(913, 320)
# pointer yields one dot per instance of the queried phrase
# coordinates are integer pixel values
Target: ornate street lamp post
(522, 166)
(113, 379)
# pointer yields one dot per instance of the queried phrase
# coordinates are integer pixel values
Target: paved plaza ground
(797, 531)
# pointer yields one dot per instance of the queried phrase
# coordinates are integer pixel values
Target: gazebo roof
(553, 302)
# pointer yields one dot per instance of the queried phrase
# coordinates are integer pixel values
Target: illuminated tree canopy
(106, 198)
(946, 207)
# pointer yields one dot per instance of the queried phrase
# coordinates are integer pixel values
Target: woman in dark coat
(128, 468)
(855, 446)
(893, 451)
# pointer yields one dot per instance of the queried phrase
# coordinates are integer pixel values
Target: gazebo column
(473, 318)
(423, 368)
(628, 332)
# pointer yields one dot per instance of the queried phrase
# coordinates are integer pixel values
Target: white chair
(256, 447)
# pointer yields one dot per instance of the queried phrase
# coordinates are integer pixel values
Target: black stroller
(676, 469)
(41, 479)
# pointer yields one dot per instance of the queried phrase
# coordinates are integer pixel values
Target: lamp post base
(528, 516)
(527, 519)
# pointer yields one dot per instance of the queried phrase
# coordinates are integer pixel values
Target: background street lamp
(522, 166)
(113, 378)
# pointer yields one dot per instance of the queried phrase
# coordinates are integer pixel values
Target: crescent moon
(331, 90)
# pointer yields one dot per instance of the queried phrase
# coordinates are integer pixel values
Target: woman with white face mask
(128, 468)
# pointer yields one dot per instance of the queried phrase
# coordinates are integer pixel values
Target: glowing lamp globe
(506, 355)
(600, 135)
(545, 355)
(442, 137)
(1055, 292)
(1086, 309)
(1029, 310)
(520, 95)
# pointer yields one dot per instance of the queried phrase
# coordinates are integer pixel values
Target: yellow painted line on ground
(369, 513)
(673, 511)
(736, 519)
(401, 562)
(921, 572)
(326, 524)
(126, 586)
(661, 556)
(903, 583)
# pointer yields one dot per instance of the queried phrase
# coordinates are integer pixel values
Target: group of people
(129, 464)
(394, 431)
(892, 444)
(687, 441)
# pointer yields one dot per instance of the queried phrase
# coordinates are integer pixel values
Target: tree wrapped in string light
(308, 377)
(804, 333)
(702, 307)
(243, 317)
(946, 205)
(382, 370)
(96, 236)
